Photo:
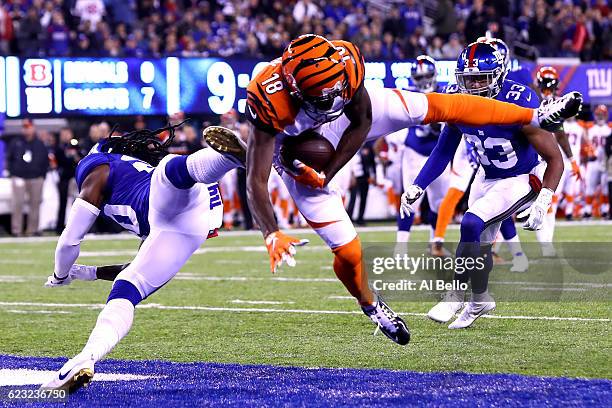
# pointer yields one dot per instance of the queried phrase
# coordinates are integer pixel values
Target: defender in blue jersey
(511, 178)
(420, 140)
(171, 202)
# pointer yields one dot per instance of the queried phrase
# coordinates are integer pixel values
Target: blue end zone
(205, 384)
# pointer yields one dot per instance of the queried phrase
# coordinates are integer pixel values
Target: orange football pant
(447, 210)
(474, 110)
(348, 265)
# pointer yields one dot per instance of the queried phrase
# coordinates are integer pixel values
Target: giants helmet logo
(37, 72)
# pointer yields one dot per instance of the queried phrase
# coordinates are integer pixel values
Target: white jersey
(575, 132)
(597, 135)
(395, 142)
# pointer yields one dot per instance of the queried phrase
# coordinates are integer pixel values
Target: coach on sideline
(27, 162)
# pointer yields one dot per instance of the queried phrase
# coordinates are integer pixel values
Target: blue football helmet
(424, 73)
(480, 70)
(501, 46)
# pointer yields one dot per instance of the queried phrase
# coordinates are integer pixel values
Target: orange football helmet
(601, 113)
(316, 75)
(547, 80)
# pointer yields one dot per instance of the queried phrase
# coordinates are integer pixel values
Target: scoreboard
(48, 87)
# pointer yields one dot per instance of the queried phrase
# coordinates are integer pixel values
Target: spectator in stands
(58, 41)
(540, 32)
(6, 30)
(412, 14)
(27, 163)
(306, 10)
(434, 50)
(67, 156)
(90, 10)
(452, 48)
(476, 23)
(445, 19)
(29, 34)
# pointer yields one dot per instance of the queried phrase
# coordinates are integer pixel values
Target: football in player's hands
(309, 148)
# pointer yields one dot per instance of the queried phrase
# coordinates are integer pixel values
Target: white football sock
(207, 166)
(403, 236)
(514, 245)
(114, 322)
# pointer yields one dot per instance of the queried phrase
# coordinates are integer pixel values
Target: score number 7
(147, 96)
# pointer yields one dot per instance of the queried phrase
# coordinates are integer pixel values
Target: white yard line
(200, 251)
(19, 311)
(260, 302)
(298, 231)
(299, 311)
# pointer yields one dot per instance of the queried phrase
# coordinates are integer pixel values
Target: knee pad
(177, 173)
(123, 289)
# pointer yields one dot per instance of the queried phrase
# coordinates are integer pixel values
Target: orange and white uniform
(569, 186)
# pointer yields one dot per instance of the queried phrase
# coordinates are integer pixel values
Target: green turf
(542, 347)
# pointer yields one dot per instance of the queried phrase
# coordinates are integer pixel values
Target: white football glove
(409, 196)
(538, 210)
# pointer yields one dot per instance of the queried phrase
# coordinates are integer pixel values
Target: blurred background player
(389, 150)
(597, 200)
(547, 83)
(420, 140)
(511, 178)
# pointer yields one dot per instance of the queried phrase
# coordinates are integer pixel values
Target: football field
(297, 333)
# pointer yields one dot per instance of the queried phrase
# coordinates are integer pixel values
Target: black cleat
(388, 322)
(226, 142)
(551, 114)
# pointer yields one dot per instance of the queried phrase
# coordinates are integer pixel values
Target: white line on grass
(201, 251)
(18, 311)
(299, 311)
(260, 302)
(378, 228)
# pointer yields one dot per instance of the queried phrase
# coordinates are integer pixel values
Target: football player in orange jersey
(319, 84)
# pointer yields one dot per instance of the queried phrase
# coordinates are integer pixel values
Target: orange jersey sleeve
(270, 107)
(354, 63)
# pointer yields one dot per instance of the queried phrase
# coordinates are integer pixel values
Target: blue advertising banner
(48, 87)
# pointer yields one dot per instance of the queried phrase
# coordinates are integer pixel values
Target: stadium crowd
(383, 29)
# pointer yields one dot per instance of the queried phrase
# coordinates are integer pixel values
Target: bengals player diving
(319, 84)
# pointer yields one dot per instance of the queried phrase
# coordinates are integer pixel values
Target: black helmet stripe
(330, 78)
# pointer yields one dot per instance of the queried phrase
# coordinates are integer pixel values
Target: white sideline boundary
(296, 311)
(298, 231)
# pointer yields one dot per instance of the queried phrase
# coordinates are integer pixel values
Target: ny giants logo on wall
(600, 82)
(37, 72)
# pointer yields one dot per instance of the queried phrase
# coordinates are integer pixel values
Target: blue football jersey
(503, 150)
(127, 190)
(521, 75)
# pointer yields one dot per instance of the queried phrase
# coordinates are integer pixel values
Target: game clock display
(51, 87)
